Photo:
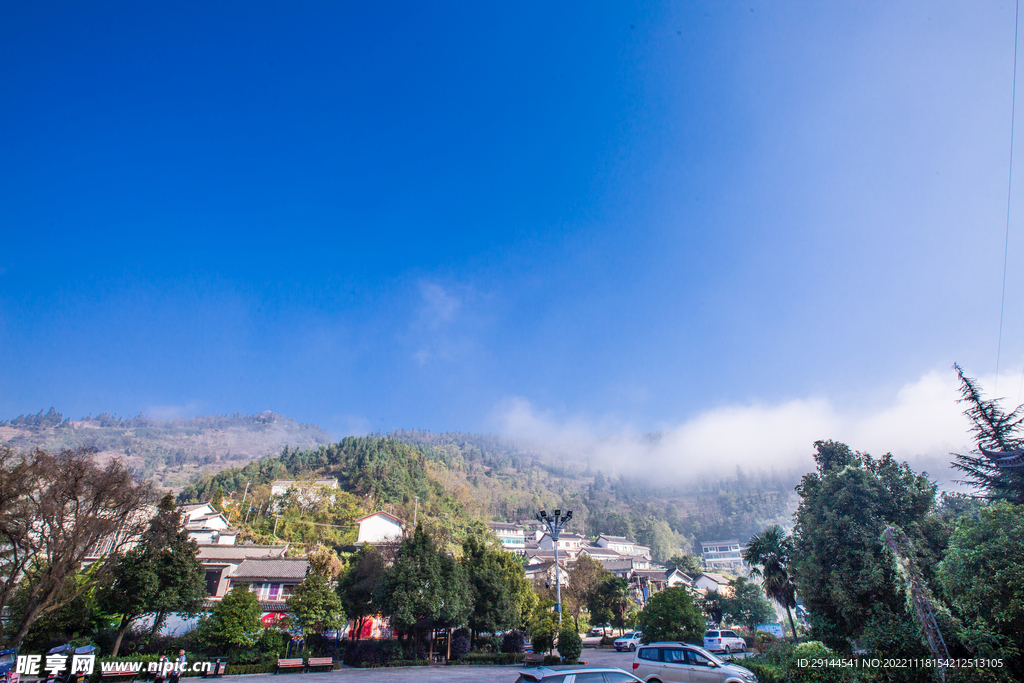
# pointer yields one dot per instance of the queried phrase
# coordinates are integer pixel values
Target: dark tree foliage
(424, 583)
(360, 586)
(671, 615)
(493, 602)
(993, 430)
(846, 577)
(769, 554)
(159, 576)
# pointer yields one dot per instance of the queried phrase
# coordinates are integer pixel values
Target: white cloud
(189, 409)
(439, 306)
(922, 424)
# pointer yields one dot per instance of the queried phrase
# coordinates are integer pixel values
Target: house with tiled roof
(272, 579)
(221, 561)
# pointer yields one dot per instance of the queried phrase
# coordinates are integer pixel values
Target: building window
(275, 591)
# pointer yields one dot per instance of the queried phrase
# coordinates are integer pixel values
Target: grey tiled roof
(240, 552)
(283, 568)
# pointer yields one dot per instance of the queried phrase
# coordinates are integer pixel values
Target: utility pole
(246, 491)
(415, 512)
(554, 527)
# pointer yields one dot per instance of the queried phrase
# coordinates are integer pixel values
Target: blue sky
(613, 218)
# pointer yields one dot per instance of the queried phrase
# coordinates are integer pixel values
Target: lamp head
(558, 513)
(568, 515)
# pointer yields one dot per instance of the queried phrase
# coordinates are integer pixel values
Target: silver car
(683, 663)
(628, 641)
(545, 675)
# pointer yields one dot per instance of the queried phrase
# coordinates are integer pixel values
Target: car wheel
(632, 647)
(743, 647)
(727, 650)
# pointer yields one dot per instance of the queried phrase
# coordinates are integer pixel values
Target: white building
(206, 526)
(568, 543)
(512, 536)
(712, 583)
(722, 554)
(380, 527)
(623, 546)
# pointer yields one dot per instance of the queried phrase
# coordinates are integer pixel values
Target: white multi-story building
(722, 554)
(623, 546)
(511, 536)
(206, 526)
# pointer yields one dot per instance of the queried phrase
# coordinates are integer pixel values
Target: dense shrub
(763, 639)
(569, 644)
(607, 641)
(487, 658)
(244, 655)
(234, 669)
(460, 645)
(514, 641)
(368, 653)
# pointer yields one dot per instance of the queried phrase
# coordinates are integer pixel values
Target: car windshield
(711, 634)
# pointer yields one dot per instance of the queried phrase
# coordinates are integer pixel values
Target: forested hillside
(167, 452)
(461, 479)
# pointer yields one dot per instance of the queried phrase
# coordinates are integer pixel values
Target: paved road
(435, 674)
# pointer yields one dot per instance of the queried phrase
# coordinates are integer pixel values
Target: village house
(380, 528)
(719, 555)
(511, 536)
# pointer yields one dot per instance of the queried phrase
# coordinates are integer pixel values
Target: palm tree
(768, 554)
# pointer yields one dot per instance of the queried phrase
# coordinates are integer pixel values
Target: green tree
(424, 582)
(569, 643)
(982, 576)
(493, 604)
(315, 606)
(360, 586)
(132, 591)
(611, 603)
(993, 430)
(844, 574)
(585, 580)
(746, 604)
(174, 557)
(671, 615)
(234, 621)
(769, 554)
(524, 599)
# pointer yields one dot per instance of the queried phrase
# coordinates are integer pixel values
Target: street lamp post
(554, 527)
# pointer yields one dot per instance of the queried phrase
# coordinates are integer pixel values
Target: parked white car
(628, 641)
(723, 641)
(682, 663)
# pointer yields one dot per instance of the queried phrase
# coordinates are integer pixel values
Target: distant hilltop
(168, 452)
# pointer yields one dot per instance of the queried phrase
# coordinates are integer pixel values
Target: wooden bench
(320, 663)
(289, 664)
(119, 675)
(533, 659)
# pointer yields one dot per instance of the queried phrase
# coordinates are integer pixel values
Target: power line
(1009, 186)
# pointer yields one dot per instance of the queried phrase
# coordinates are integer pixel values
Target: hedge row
(238, 669)
(488, 658)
